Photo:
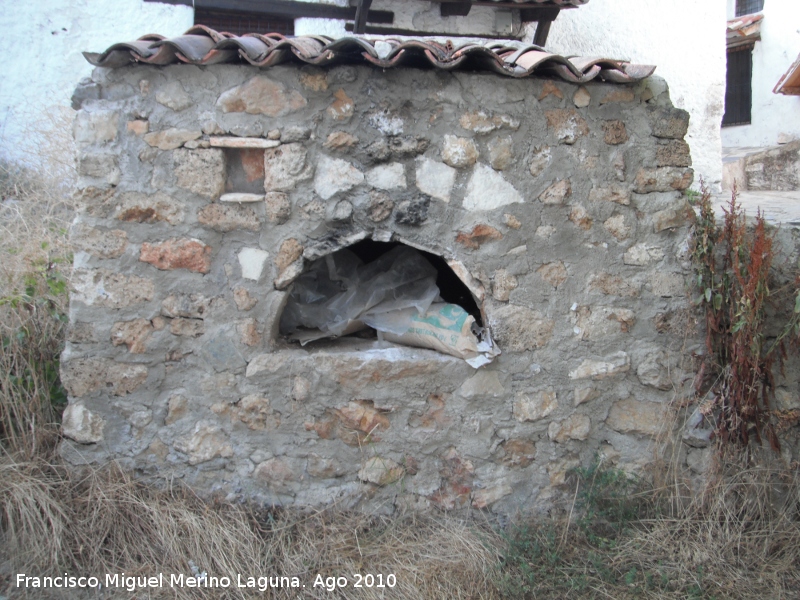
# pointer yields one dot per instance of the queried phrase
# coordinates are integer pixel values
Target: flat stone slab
(778, 207)
(239, 142)
(241, 197)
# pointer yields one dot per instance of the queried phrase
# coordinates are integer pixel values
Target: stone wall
(559, 206)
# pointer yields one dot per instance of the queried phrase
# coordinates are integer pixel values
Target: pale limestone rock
(261, 96)
(387, 177)
(641, 255)
(517, 453)
(242, 142)
(138, 127)
(511, 221)
(554, 273)
(95, 127)
(503, 283)
(584, 394)
(484, 384)
(187, 327)
(172, 95)
(143, 208)
(340, 141)
(244, 301)
(192, 306)
(342, 108)
(82, 376)
(141, 418)
(481, 121)
(205, 443)
(574, 427)
(612, 193)
(666, 285)
(381, 471)
(434, 178)
(540, 158)
(101, 166)
(501, 153)
(278, 207)
(201, 171)
(634, 416)
(98, 243)
(171, 138)
(335, 175)
(80, 424)
(241, 198)
(252, 261)
(580, 217)
(556, 193)
(248, 332)
(601, 322)
(177, 408)
(133, 334)
(566, 124)
(520, 329)
(339, 211)
(487, 190)
(581, 98)
(301, 389)
(278, 473)
(228, 217)
(617, 227)
(380, 206)
(459, 152)
(672, 218)
(485, 497)
(611, 366)
(654, 370)
(314, 79)
(289, 274)
(324, 468)
(613, 285)
(559, 469)
(662, 179)
(535, 405)
(106, 288)
(545, 231)
(290, 251)
(285, 167)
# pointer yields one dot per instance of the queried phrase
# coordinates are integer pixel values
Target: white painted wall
(41, 46)
(773, 115)
(684, 38)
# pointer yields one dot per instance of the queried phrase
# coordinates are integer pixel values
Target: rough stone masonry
(208, 190)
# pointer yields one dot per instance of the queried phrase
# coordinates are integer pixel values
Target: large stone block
(335, 175)
(99, 243)
(574, 427)
(201, 171)
(106, 288)
(534, 406)
(228, 217)
(80, 424)
(519, 329)
(95, 127)
(82, 376)
(177, 253)
(285, 167)
(261, 95)
(487, 189)
(434, 178)
(143, 208)
(459, 152)
(635, 416)
(205, 443)
(662, 179)
(616, 364)
(670, 123)
(567, 125)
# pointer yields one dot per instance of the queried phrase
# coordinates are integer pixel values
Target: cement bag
(444, 327)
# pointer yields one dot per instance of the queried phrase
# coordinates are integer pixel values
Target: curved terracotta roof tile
(203, 46)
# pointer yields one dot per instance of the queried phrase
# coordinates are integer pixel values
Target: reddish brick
(189, 254)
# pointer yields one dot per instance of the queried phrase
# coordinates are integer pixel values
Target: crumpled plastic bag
(340, 295)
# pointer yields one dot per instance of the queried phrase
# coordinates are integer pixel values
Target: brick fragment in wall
(228, 217)
(261, 95)
(99, 243)
(106, 288)
(566, 125)
(614, 132)
(519, 329)
(177, 253)
(143, 208)
(133, 334)
(80, 424)
(200, 171)
(479, 235)
(342, 108)
(82, 376)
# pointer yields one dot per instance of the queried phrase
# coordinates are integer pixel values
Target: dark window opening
(451, 288)
(738, 86)
(239, 23)
(377, 286)
(748, 7)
